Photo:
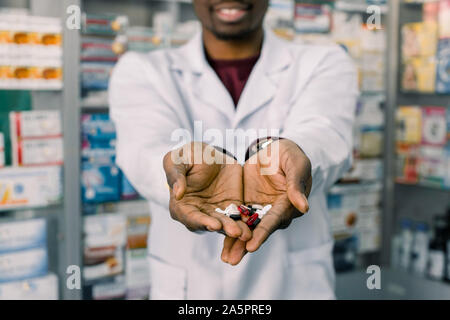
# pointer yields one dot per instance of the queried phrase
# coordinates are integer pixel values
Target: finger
(237, 252)
(269, 223)
(175, 173)
(194, 219)
(246, 232)
(231, 228)
(227, 245)
(298, 183)
(297, 197)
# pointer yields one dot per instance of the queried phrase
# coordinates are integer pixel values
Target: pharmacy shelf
(352, 6)
(415, 201)
(424, 185)
(395, 285)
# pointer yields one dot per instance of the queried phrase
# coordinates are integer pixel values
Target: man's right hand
(197, 189)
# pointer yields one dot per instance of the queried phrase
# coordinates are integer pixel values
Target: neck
(233, 49)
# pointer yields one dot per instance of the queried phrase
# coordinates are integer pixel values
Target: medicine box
(33, 152)
(98, 155)
(434, 126)
(97, 49)
(95, 75)
(444, 19)
(419, 39)
(100, 183)
(105, 230)
(365, 170)
(30, 187)
(409, 124)
(432, 166)
(20, 235)
(419, 74)
(137, 230)
(407, 163)
(20, 265)
(347, 204)
(137, 274)
(114, 288)
(312, 18)
(35, 124)
(41, 288)
(104, 24)
(106, 266)
(443, 66)
(105, 240)
(97, 127)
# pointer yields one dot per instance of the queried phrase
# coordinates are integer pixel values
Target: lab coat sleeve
(321, 120)
(144, 123)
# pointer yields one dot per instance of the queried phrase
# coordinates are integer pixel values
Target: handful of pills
(251, 214)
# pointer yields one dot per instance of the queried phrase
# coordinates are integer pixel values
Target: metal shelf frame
(69, 217)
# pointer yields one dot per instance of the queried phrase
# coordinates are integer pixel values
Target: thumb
(296, 189)
(176, 177)
(179, 187)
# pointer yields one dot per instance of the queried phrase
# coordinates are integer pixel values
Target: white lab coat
(308, 92)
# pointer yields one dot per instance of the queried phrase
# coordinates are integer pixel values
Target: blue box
(443, 67)
(100, 183)
(97, 126)
(20, 235)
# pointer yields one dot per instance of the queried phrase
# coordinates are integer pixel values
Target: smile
(231, 12)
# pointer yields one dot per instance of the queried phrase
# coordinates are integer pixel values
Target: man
(236, 77)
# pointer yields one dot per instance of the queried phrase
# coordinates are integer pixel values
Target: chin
(232, 34)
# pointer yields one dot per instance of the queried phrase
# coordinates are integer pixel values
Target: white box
(32, 152)
(105, 240)
(20, 235)
(105, 230)
(30, 187)
(115, 289)
(43, 288)
(35, 124)
(136, 271)
(365, 170)
(21, 265)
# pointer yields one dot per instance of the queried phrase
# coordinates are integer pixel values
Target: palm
(212, 186)
(266, 189)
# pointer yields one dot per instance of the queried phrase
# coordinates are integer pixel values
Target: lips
(231, 12)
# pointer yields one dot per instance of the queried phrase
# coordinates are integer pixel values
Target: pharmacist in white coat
(233, 79)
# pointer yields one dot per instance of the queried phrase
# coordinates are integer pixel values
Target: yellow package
(409, 124)
(419, 74)
(46, 73)
(419, 39)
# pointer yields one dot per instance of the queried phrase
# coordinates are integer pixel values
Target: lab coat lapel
(262, 84)
(203, 81)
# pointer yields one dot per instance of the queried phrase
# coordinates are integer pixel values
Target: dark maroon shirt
(234, 74)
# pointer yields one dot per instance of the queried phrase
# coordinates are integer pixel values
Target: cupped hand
(213, 180)
(279, 175)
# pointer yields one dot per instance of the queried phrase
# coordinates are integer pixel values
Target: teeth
(229, 11)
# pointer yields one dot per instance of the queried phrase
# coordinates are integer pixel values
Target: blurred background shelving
(365, 221)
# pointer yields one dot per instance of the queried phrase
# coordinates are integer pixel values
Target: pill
(252, 219)
(235, 216)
